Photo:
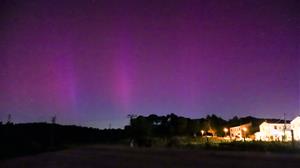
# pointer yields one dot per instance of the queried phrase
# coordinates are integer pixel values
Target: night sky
(93, 62)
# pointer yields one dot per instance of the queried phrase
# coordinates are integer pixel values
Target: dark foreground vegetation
(105, 156)
(150, 131)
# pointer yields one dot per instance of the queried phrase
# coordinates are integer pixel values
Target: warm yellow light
(202, 132)
(225, 130)
(245, 129)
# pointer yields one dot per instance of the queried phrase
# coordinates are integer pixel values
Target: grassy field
(121, 156)
(221, 144)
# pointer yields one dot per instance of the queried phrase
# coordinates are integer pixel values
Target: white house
(295, 124)
(274, 131)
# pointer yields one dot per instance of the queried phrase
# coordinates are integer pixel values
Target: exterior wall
(273, 132)
(237, 132)
(296, 128)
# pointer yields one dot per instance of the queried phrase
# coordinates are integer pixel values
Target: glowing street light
(202, 132)
(225, 130)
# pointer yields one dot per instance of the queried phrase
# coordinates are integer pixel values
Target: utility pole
(9, 119)
(293, 140)
(131, 116)
(52, 131)
(284, 127)
(53, 119)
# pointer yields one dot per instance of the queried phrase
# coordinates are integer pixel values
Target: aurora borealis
(93, 62)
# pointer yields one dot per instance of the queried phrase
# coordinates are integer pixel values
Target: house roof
(243, 125)
(296, 118)
(277, 121)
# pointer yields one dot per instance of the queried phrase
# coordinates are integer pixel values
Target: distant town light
(225, 130)
(245, 129)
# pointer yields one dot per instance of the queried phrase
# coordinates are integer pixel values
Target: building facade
(274, 132)
(239, 132)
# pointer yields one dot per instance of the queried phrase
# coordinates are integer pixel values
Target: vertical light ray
(124, 69)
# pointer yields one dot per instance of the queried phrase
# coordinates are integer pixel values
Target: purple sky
(93, 62)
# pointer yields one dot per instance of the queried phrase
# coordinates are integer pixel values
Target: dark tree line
(19, 139)
(173, 125)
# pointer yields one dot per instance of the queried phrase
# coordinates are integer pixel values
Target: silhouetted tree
(173, 125)
(193, 127)
(216, 125)
(34, 137)
(131, 117)
(181, 125)
(141, 127)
